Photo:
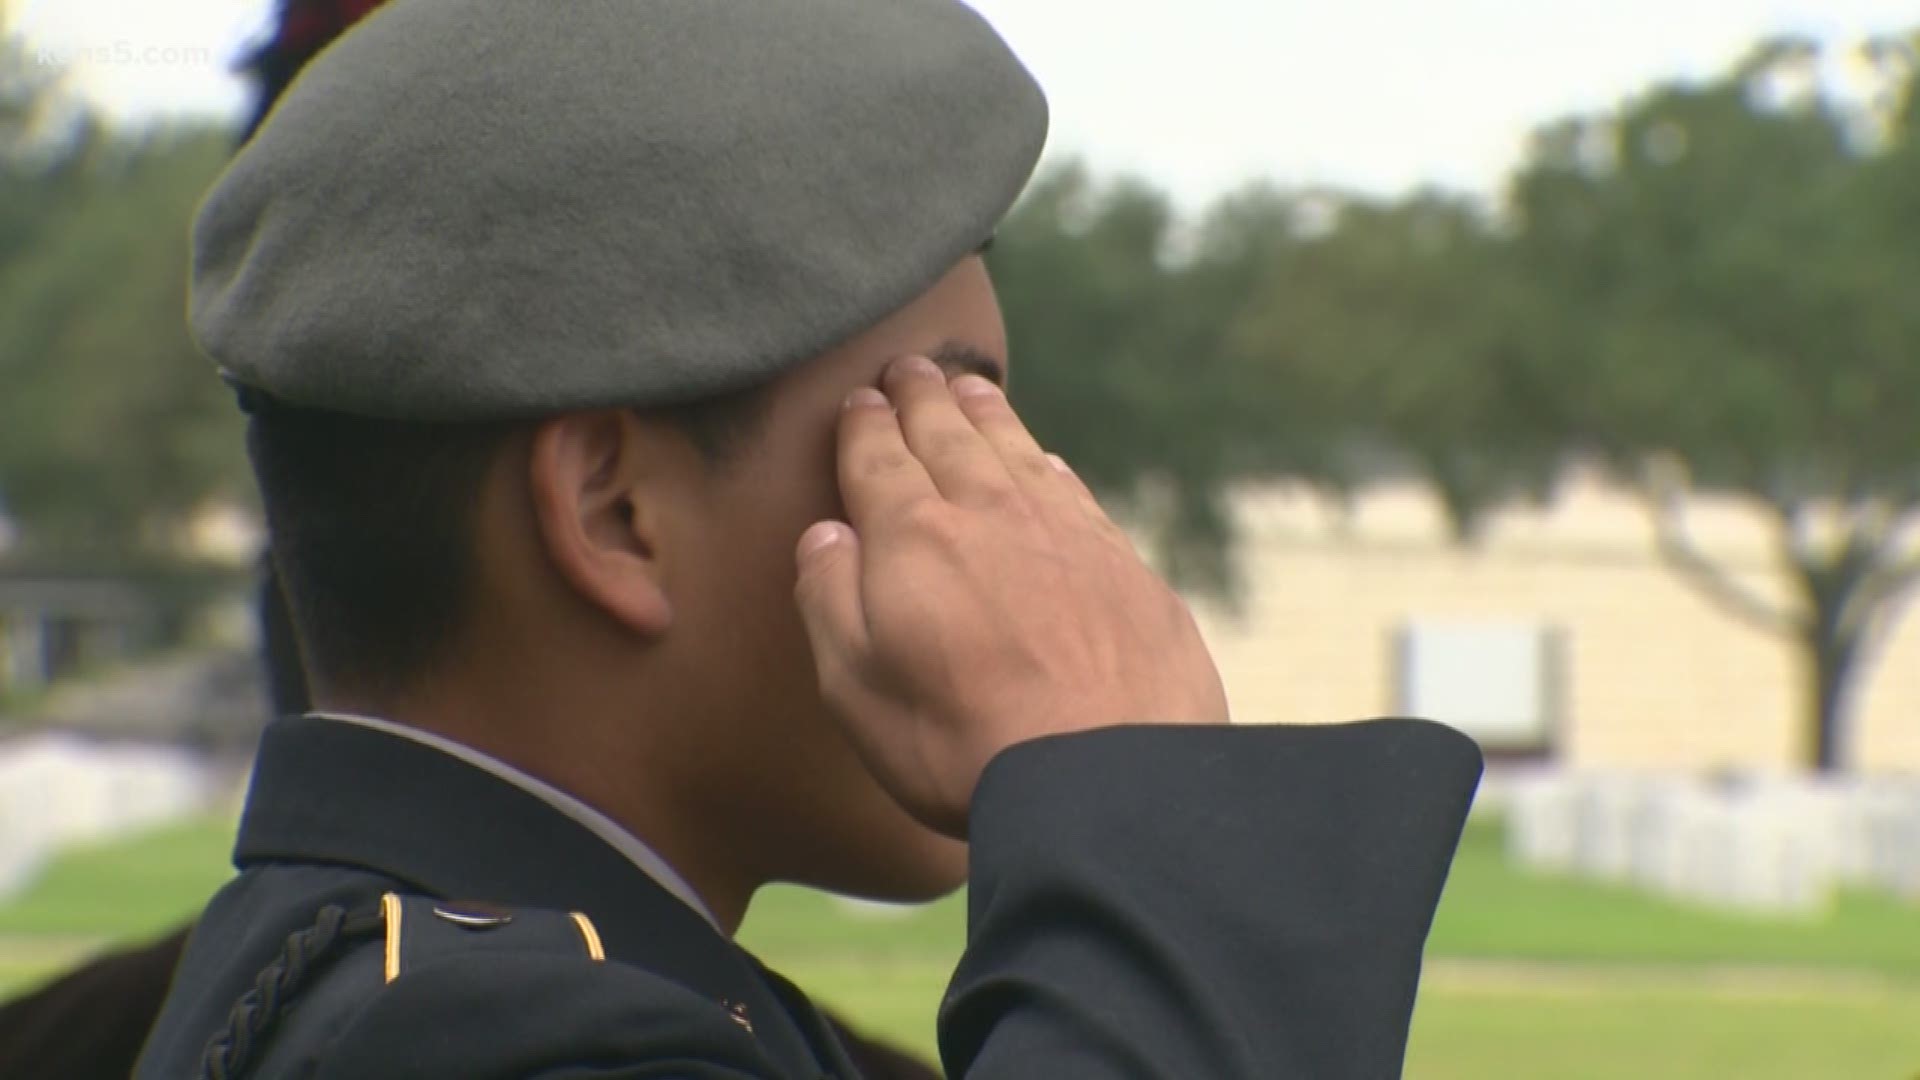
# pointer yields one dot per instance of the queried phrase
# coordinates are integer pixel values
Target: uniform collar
(631, 847)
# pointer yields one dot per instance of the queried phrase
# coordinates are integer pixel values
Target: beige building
(1560, 633)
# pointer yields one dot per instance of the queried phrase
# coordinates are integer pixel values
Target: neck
(607, 779)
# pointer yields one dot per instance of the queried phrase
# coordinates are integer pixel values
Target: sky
(1198, 95)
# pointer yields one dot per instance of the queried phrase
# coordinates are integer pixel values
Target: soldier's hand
(981, 597)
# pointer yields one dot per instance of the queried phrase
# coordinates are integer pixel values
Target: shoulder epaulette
(413, 931)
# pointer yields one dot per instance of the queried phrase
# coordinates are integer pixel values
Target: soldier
(90, 1023)
(626, 404)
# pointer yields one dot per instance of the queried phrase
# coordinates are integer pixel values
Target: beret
(489, 209)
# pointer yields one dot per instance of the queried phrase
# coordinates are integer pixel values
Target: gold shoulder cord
(592, 936)
(390, 911)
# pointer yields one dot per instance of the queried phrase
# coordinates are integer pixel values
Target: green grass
(98, 896)
(1529, 977)
(1648, 1034)
(125, 890)
(1494, 910)
(886, 970)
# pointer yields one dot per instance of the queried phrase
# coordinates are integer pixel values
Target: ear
(587, 485)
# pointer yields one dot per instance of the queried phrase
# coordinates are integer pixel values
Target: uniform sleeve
(1181, 902)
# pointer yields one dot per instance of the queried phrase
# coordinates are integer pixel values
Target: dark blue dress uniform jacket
(1189, 903)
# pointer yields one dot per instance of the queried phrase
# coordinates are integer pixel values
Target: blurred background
(1547, 368)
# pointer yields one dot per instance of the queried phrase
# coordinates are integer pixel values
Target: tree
(1733, 285)
(42, 138)
(114, 430)
(1396, 330)
(1117, 362)
(1304, 335)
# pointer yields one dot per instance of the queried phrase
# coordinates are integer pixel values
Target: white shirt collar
(644, 858)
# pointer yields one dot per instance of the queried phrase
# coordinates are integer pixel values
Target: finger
(1083, 497)
(1078, 486)
(1045, 477)
(986, 407)
(827, 591)
(963, 466)
(879, 475)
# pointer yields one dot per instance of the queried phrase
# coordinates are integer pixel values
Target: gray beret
(482, 209)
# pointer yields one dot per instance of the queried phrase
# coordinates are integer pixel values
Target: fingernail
(1059, 463)
(822, 534)
(866, 395)
(967, 386)
(920, 365)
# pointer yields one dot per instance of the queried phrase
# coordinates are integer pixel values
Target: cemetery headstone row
(59, 790)
(1764, 844)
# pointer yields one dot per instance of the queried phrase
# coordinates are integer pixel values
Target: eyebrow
(959, 358)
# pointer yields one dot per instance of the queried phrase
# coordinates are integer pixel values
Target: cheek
(747, 556)
(742, 628)
(793, 484)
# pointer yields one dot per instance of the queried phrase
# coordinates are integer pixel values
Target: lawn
(122, 892)
(1528, 977)
(1494, 910)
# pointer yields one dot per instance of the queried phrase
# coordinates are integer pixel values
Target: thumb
(828, 593)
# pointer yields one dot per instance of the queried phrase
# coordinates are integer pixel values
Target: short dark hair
(372, 529)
